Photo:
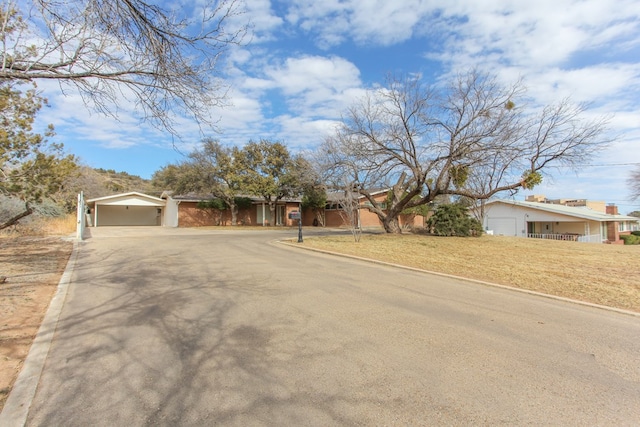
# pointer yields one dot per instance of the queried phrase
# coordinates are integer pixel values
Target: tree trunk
(391, 225)
(272, 213)
(28, 211)
(319, 218)
(234, 214)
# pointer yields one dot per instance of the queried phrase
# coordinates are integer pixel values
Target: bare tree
(347, 200)
(634, 184)
(474, 139)
(110, 50)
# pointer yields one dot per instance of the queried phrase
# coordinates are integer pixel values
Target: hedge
(631, 239)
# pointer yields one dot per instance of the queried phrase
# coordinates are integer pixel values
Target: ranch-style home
(187, 211)
(171, 210)
(559, 220)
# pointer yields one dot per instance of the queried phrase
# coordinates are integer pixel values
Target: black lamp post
(300, 228)
(297, 215)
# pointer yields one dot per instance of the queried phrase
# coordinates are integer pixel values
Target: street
(232, 328)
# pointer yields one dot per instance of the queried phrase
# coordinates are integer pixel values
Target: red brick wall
(189, 215)
(613, 233)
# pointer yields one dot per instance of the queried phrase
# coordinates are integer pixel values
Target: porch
(571, 231)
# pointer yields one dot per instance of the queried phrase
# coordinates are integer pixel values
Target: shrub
(453, 220)
(630, 239)
(636, 233)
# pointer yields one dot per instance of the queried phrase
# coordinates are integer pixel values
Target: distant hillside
(122, 182)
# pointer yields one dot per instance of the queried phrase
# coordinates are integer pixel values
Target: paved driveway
(187, 327)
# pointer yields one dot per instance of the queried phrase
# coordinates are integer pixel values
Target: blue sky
(308, 60)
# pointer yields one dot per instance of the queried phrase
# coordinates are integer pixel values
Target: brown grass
(43, 227)
(597, 273)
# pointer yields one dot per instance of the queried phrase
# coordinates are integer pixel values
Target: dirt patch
(30, 269)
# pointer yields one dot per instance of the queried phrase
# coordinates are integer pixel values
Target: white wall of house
(171, 213)
(510, 220)
(133, 209)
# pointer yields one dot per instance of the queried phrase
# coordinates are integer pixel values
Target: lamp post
(297, 215)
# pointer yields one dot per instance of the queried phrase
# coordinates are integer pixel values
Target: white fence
(594, 238)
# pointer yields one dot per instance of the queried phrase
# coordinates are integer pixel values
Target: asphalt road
(198, 328)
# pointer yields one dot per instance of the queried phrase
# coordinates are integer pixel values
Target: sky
(307, 61)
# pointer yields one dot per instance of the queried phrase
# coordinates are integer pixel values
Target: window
(333, 206)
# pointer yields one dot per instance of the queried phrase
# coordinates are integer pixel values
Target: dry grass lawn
(601, 274)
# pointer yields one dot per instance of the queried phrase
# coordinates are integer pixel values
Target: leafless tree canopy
(634, 184)
(474, 139)
(165, 61)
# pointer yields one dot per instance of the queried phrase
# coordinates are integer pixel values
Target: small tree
(349, 208)
(31, 168)
(453, 220)
(315, 198)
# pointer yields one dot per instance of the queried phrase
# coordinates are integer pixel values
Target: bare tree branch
(111, 50)
(634, 184)
(474, 139)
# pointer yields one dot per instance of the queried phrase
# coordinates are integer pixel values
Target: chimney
(612, 209)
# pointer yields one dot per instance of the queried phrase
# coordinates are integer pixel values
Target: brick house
(334, 216)
(186, 211)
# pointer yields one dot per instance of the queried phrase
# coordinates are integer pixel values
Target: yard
(596, 273)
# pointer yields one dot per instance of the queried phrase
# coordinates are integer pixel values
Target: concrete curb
(451, 276)
(16, 408)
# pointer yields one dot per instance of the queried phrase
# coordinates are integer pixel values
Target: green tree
(31, 168)
(315, 198)
(269, 171)
(212, 170)
(453, 220)
(218, 171)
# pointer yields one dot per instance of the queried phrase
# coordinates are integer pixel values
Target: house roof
(128, 198)
(193, 197)
(574, 211)
(337, 195)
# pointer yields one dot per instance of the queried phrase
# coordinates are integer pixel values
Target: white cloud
(263, 20)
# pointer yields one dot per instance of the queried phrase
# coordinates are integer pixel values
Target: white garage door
(505, 226)
(127, 215)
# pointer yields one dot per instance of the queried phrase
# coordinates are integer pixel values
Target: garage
(503, 226)
(128, 209)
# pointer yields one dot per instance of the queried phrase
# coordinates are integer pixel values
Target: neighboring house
(183, 211)
(125, 209)
(550, 220)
